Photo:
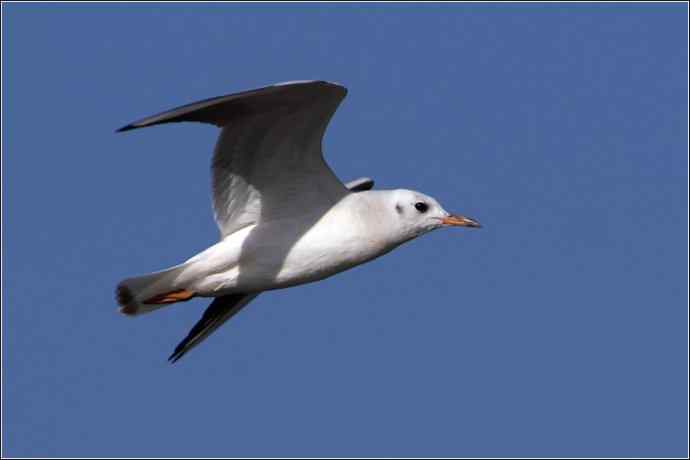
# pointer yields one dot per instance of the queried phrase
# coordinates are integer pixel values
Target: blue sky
(559, 329)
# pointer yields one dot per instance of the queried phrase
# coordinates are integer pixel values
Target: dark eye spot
(421, 207)
(398, 208)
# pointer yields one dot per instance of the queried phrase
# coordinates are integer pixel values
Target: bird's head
(419, 213)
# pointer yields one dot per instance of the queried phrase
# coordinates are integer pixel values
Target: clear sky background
(559, 329)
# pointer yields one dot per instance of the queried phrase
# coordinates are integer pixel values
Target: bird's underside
(267, 162)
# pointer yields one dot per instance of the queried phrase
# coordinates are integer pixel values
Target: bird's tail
(143, 294)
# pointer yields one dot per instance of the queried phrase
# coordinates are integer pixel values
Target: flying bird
(285, 218)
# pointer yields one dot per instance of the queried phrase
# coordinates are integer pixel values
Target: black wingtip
(126, 128)
(176, 355)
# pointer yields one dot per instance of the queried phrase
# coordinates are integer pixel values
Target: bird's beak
(459, 221)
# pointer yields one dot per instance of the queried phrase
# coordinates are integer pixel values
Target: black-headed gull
(284, 217)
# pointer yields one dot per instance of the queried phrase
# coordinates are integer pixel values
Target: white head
(418, 213)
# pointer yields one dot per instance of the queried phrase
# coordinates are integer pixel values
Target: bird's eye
(421, 207)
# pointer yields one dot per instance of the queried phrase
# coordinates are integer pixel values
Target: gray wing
(218, 312)
(267, 164)
(360, 185)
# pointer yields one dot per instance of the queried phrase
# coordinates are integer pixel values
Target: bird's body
(288, 252)
(292, 251)
(285, 218)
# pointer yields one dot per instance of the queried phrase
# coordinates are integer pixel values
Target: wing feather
(218, 312)
(268, 163)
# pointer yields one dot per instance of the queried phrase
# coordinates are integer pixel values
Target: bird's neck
(376, 218)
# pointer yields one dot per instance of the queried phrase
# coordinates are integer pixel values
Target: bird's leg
(171, 297)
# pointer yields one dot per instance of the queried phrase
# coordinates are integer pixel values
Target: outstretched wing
(268, 163)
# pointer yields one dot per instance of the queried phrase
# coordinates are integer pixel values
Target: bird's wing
(360, 185)
(267, 164)
(218, 312)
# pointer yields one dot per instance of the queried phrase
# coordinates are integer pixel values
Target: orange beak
(460, 221)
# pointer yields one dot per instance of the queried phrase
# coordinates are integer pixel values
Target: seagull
(285, 218)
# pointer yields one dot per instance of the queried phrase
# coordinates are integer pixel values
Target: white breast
(289, 252)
